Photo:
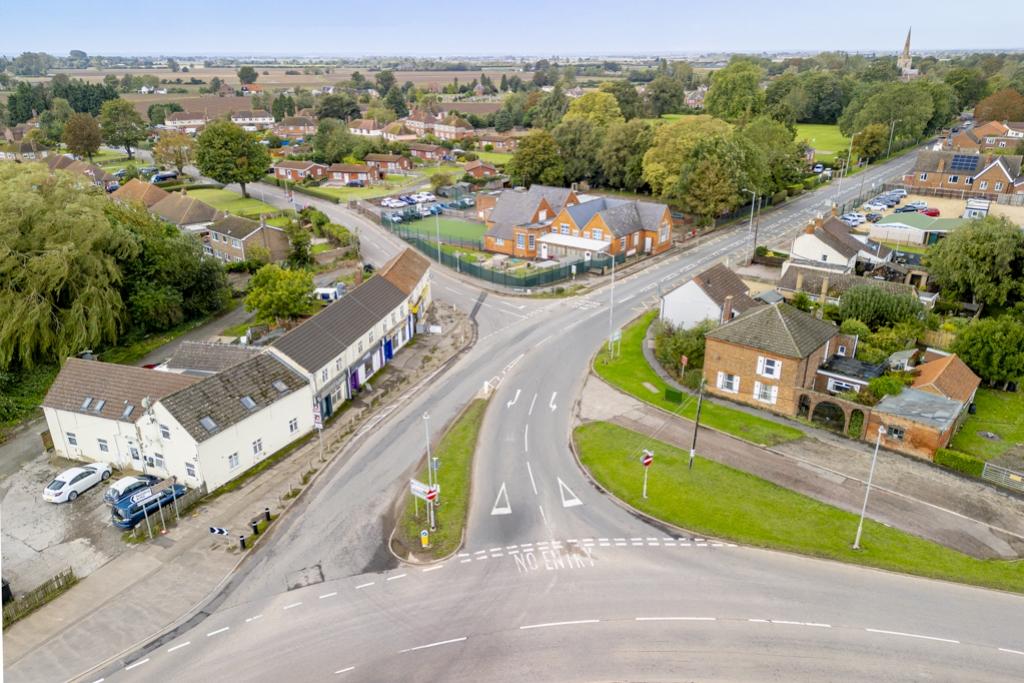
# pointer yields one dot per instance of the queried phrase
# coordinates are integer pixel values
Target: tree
(778, 150)
(672, 343)
(121, 125)
(735, 93)
(599, 108)
(82, 135)
(550, 109)
(26, 101)
(993, 348)
(229, 154)
(871, 142)
(385, 81)
(968, 83)
(503, 121)
(332, 141)
(622, 154)
(341, 106)
(671, 142)
(51, 121)
(300, 255)
(282, 106)
(174, 149)
(876, 307)
(1004, 105)
(982, 260)
(626, 96)
(157, 112)
(710, 177)
(215, 84)
(665, 95)
(908, 104)
(276, 294)
(247, 75)
(536, 160)
(173, 65)
(579, 144)
(439, 180)
(504, 83)
(395, 101)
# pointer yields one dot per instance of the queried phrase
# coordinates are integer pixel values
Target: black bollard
(241, 542)
(255, 528)
(266, 514)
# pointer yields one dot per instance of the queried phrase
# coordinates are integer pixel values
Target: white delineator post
(867, 492)
(647, 459)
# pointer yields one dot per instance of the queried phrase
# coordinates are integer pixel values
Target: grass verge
(630, 372)
(455, 452)
(720, 501)
(999, 412)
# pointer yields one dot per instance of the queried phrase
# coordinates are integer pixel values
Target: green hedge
(959, 462)
(174, 185)
(809, 183)
(301, 189)
(795, 189)
(779, 197)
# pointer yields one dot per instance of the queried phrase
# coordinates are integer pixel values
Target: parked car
(850, 219)
(355, 183)
(906, 209)
(147, 171)
(71, 483)
(874, 217)
(818, 168)
(875, 205)
(127, 486)
(918, 205)
(113, 187)
(933, 212)
(120, 173)
(889, 200)
(898, 192)
(164, 176)
(126, 513)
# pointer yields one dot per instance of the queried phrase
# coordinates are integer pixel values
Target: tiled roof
(719, 282)
(348, 168)
(321, 338)
(56, 162)
(296, 164)
(517, 208)
(838, 237)
(423, 147)
(219, 396)
(405, 270)
(368, 124)
(929, 162)
(919, 406)
(208, 357)
(116, 386)
(297, 121)
(383, 157)
(144, 193)
(948, 376)
(235, 226)
(838, 283)
(254, 114)
(779, 329)
(180, 209)
(477, 163)
(185, 116)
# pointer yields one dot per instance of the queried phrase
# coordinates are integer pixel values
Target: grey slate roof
(208, 357)
(235, 226)
(779, 329)
(318, 340)
(517, 208)
(719, 282)
(922, 407)
(851, 367)
(219, 396)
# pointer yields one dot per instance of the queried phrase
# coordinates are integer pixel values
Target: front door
(543, 250)
(647, 245)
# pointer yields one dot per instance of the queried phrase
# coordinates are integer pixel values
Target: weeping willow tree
(59, 274)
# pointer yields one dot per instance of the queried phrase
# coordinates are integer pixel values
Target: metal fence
(943, 193)
(1003, 476)
(39, 596)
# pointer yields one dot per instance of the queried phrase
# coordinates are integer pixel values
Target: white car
(918, 205)
(876, 206)
(898, 192)
(67, 485)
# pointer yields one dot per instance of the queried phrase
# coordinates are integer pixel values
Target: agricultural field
(825, 139)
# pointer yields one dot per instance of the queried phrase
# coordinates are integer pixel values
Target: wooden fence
(39, 596)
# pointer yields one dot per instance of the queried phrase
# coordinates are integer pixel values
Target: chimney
(835, 209)
(799, 282)
(942, 165)
(812, 225)
(824, 296)
(727, 309)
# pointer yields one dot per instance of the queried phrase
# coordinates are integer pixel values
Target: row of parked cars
(888, 200)
(405, 200)
(131, 498)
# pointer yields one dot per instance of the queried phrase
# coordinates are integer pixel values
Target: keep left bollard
(241, 542)
(255, 526)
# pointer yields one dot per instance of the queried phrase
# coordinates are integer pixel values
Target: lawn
(907, 248)
(455, 453)
(720, 501)
(824, 138)
(494, 157)
(999, 412)
(233, 202)
(453, 228)
(630, 372)
(392, 185)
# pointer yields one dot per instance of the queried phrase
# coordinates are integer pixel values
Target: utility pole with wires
(696, 423)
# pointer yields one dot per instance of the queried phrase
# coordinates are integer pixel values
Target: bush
(856, 423)
(795, 189)
(853, 326)
(761, 250)
(959, 462)
(809, 183)
(779, 197)
(670, 343)
(890, 384)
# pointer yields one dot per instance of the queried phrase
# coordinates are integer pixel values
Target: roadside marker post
(647, 459)
(696, 423)
(424, 539)
(218, 531)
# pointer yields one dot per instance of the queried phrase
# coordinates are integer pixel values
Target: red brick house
(986, 136)
(968, 173)
(232, 238)
(427, 152)
(388, 163)
(295, 127)
(499, 142)
(480, 169)
(297, 171)
(343, 174)
(421, 122)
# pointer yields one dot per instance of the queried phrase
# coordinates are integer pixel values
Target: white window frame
(839, 385)
(532, 241)
(521, 240)
(775, 370)
(257, 446)
(954, 179)
(72, 439)
(233, 461)
(158, 460)
(293, 425)
(596, 233)
(923, 176)
(983, 185)
(841, 351)
(564, 227)
(103, 445)
(323, 374)
(190, 470)
(165, 432)
(725, 378)
(766, 393)
(895, 432)
(999, 186)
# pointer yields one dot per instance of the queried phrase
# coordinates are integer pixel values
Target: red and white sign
(431, 494)
(648, 458)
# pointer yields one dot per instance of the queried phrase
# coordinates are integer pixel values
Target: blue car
(132, 510)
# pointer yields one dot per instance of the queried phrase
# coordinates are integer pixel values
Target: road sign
(218, 531)
(648, 458)
(423, 491)
(432, 493)
(425, 539)
(617, 335)
(142, 496)
(318, 421)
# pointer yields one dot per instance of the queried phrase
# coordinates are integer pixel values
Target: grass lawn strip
(453, 228)
(233, 202)
(720, 501)
(999, 412)
(491, 158)
(455, 452)
(826, 140)
(630, 372)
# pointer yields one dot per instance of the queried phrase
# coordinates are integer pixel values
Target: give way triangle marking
(498, 509)
(570, 501)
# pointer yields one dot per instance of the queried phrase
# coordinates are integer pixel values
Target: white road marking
(440, 642)
(572, 500)
(509, 404)
(758, 621)
(532, 482)
(912, 635)
(99, 680)
(800, 623)
(178, 647)
(364, 585)
(294, 604)
(526, 439)
(676, 619)
(465, 561)
(559, 623)
(432, 569)
(395, 578)
(531, 404)
(328, 595)
(518, 308)
(138, 663)
(543, 516)
(1002, 649)
(220, 630)
(551, 403)
(342, 671)
(505, 509)
(258, 616)
(498, 554)
(626, 298)
(511, 547)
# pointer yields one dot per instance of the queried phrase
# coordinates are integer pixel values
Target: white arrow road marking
(518, 308)
(572, 500)
(531, 404)
(511, 403)
(505, 509)
(551, 403)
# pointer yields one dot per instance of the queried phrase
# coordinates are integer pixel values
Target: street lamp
(430, 469)
(611, 298)
(846, 171)
(867, 492)
(892, 131)
(753, 200)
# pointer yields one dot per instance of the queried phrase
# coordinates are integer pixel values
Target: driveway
(204, 332)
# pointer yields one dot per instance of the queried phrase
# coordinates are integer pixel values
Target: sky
(519, 27)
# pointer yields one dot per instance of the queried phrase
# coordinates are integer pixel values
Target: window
(622, 243)
(923, 176)
(990, 140)
(87, 402)
(233, 461)
(257, 446)
(394, 318)
(999, 186)
(236, 244)
(837, 385)
(359, 346)
(969, 180)
(533, 243)
(135, 453)
(208, 424)
(280, 386)
(1002, 143)
(98, 406)
(323, 375)
(769, 367)
(596, 233)
(371, 336)
(953, 179)
(337, 365)
(543, 215)
(727, 382)
(72, 439)
(293, 425)
(498, 242)
(894, 433)
(824, 257)
(190, 470)
(104, 447)
(765, 393)
(663, 232)
(564, 227)
(165, 432)
(158, 460)
(842, 350)
(984, 185)
(520, 240)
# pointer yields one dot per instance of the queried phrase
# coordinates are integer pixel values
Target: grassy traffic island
(455, 452)
(719, 501)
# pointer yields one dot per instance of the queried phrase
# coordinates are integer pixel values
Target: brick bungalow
(480, 169)
(297, 171)
(342, 174)
(427, 152)
(388, 163)
(136, 190)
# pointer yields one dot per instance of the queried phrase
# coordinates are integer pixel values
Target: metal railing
(1003, 476)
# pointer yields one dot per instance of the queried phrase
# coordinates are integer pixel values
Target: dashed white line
(531, 404)
(466, 560)
(138, 663)
(327, 595)
(432, 569)
(498, 554)
(912, 635)
(258, 616)
(178, 647)
(342, 671)
(364, 585)
(532, 482)
(526, 439)
(1012, 652)
(800, 623)
(676, 618)
(99, 680)
(559, 623)
(220, 630)
(511, 547)
(294, 604)
(440, 642)
(395, 578)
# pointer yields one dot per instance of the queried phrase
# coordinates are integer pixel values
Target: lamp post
(753, 200)
(892, 132)
(846, 171)
(437, 225)
(611, 299)
(867, 492)
(430, 468)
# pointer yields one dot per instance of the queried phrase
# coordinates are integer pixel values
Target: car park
(874, 217)
(917, 205)
(887, 199)
(898, 192)
(933, 212)
(132, 509)
(70, 484)
(906, 209)
(875, 205)
(127, 486)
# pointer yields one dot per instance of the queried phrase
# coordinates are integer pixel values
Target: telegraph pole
(696, 422)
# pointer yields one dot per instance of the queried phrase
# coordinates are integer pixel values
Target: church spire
(906, 45)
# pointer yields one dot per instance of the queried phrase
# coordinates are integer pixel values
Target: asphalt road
(371, 614)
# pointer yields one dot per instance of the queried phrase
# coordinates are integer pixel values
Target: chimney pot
(799, 282)
(727, 309)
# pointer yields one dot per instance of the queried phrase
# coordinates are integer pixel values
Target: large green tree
(871, 142)
(665, 95)
(82, 135)
(735, 93)
(628, 99)
(550, 109)
(1004, 105)
(622, 154)
(671, 142)
(993, 348)
(341, 106)
(579, 144)
(53, 120)
(778, 151)
(982, 260)
(876, 307)
(332, 141)
(121, 125)
(174, 149)
(968, 83)
(536, 160)
(229, 154)
(599, 108)
(247, 75)
(712, 173)
(276, 294)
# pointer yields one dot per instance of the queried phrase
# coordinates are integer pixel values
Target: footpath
(915, 497)
(158, 584)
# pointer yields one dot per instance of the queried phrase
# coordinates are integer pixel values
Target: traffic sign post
(424, 539)
(647, 459)
(218, 531)
(428, 493)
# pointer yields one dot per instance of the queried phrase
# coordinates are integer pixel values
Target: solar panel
(964, 162)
